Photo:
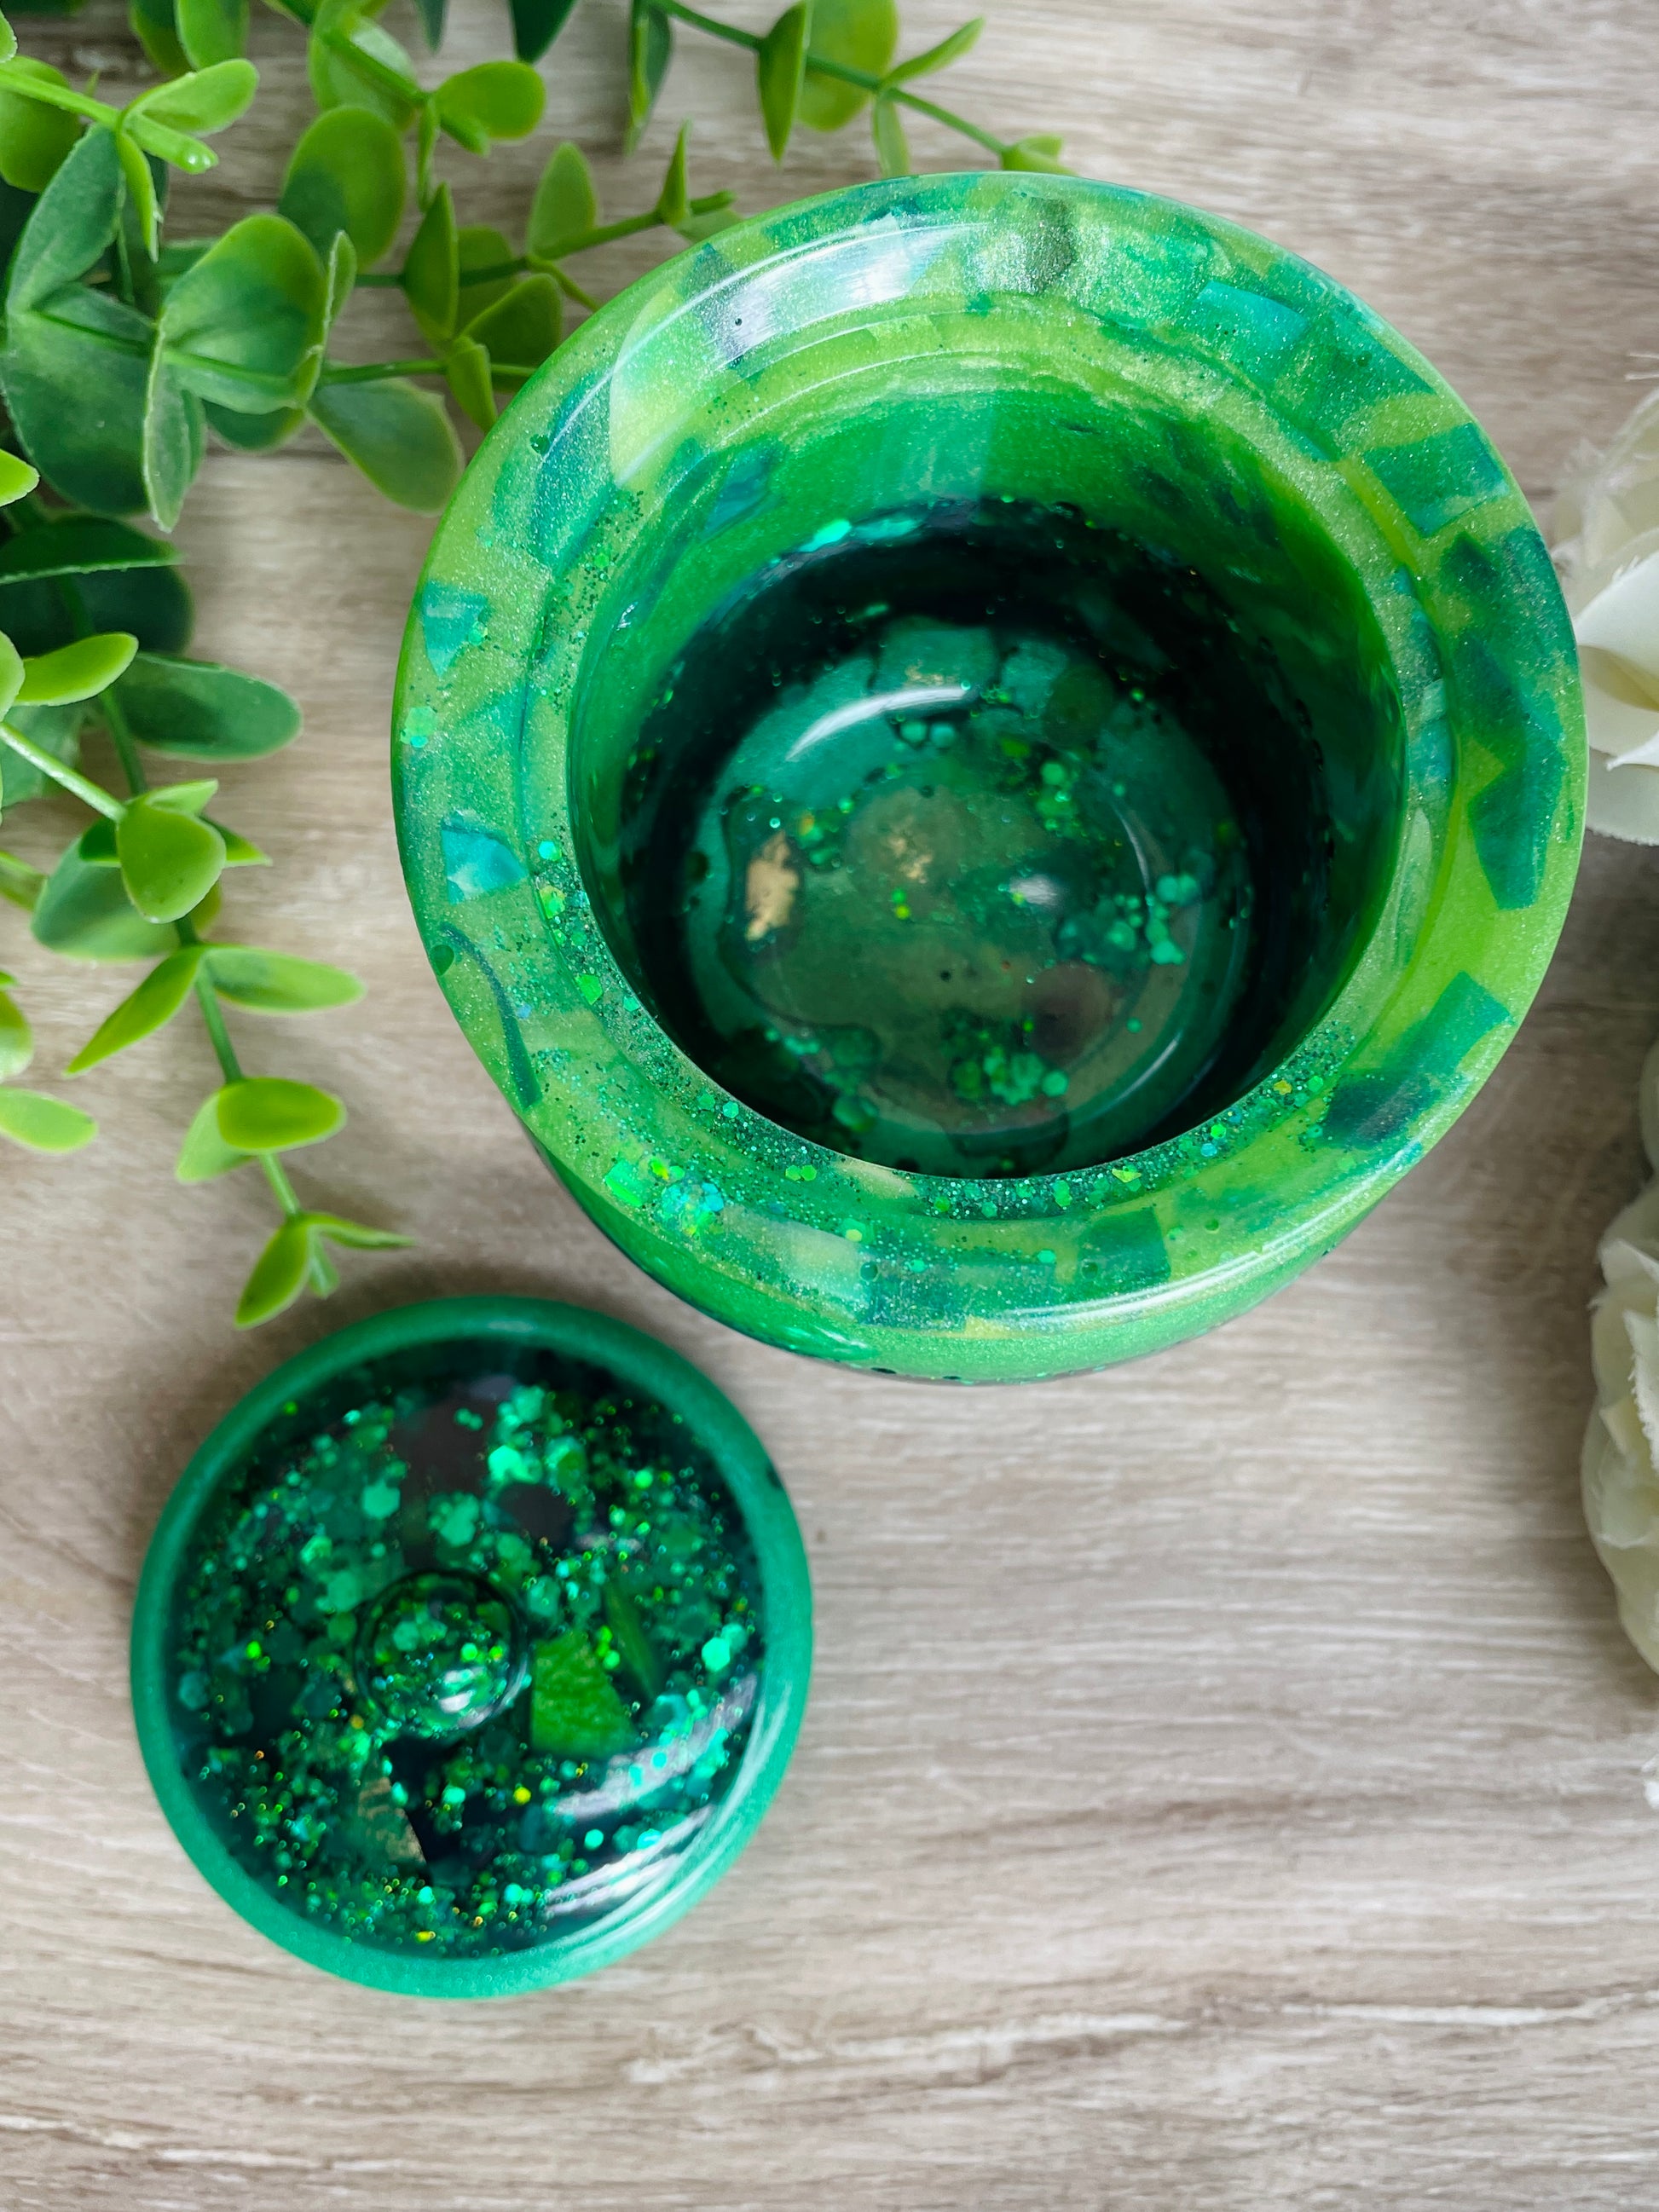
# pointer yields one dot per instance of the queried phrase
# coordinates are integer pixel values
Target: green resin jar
(987, 760)
(471, 1647)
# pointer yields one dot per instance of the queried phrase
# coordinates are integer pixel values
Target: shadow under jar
(987, 760)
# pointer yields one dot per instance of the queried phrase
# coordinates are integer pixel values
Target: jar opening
(987, 783)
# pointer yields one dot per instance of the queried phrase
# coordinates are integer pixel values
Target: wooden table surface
(1225, 1785)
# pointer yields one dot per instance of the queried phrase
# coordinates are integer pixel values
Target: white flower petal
(1622, 802)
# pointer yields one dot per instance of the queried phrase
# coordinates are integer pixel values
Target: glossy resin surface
(471, 1646)
(991, 970)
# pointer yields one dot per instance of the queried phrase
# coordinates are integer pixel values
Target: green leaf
(8, 40)
(673, 202)
(433, 14)
(205, 1154)
(214, 96)
(76, 545)
(56, 730)
(892, 146)
(11, 672)
(354, 1235)
(279, 1275)
(466, 372)
(950, 50)
(156, 29)
(353, 63)
(650, 50)
(239, 852)
(496, 100)
(254, 434)
(74, 221)
(19, 884)
(185, 798)
(566, 206)
(709, 224)
(169, 859)
(174, 434)
(480, 247)
(43, 1124)
(268, 1113)
(197, 710)
(536, 24)
(859, 34)
(212, 32)
(96, 348)
(17, 481)
(152, 601)
(245, 326)
(35, 140)
(347, 174)
(96, 844)
(16, 1037)
(80, 670)
(1039, 153)
(780, 72)
(140, 191)
(432, 270)
(279, 982)
(521, 330)
(84, 913)
(143, 1011)
(400, 437)
(61, 337)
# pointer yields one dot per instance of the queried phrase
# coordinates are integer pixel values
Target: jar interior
(985, 781)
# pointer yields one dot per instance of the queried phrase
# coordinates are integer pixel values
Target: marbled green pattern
(1070, 341)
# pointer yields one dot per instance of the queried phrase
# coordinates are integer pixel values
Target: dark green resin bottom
(458, 1662)
(977, 840)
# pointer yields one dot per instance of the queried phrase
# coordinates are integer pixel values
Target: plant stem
(842, 71)
(90, 794)
(120, 732)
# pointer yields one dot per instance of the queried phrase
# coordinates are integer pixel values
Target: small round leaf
(143, 1011)
(43, 1124)
(17, 479)
(35, 140)
(80, 670)
(279, 982)
(347, 174)
(169, 859)
(205, 1154)
(859, 34)
(496, 99)
(16, 1037)
(566, 206)
(279, 1275)
(268, 1113)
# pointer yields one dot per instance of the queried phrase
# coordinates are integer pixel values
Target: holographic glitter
(457, 1664)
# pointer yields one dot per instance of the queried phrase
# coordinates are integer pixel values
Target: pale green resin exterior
(1179, 377)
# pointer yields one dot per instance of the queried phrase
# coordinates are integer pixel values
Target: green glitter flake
(462, 1648)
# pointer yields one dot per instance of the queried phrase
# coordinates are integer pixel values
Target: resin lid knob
(440, 1654)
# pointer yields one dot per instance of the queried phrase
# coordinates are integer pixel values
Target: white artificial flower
(1621, 1446)
(1607, 518)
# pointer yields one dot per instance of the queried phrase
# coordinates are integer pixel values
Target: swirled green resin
(460, 1664)
(987, 761)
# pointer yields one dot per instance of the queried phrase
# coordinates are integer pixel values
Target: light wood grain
(1225, 1785)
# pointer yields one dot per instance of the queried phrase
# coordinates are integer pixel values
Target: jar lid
(471, 1646)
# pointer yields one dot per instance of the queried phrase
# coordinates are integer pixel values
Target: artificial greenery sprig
(122, 349)
(144, 879)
